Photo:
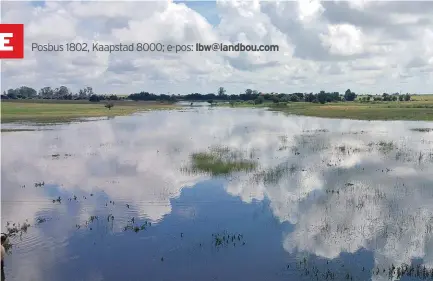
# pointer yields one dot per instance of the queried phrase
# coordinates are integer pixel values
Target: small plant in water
(92, 218)
(386, 147)
(135, 228)
(225, 239)
(422, 130)
(14, 229)
(40, 220)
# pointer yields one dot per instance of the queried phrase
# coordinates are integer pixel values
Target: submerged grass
(422, 130)
(220, 161)
(211, 163)
(274, 175)
(386, 147)
(225, 239)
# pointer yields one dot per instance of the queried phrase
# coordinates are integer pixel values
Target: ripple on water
(344, 186)
(26, 243)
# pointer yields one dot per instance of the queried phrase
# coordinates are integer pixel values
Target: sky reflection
(326, 188)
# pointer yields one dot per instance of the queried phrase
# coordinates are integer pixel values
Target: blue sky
(38, 3)
(207, 9)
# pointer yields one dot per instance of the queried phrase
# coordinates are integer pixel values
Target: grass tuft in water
(40, 220)
(16, 228)
(386, 147)
(136, 228)
(422, 130)
(220, 161)
(39, 184)
(226, 239)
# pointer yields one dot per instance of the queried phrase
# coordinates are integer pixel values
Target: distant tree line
(61, 93)
(253, 96)
(386, 97)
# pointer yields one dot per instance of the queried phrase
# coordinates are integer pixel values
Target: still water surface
(329, 199)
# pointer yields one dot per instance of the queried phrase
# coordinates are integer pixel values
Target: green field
(49, 111)
(64, 111)
(419, 108)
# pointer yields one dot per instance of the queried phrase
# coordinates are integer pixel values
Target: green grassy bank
(63, 111)
(419, 108)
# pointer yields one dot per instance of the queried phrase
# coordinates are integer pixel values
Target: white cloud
(325, 37)
(43, 26)
(344, 40)
(309, 10)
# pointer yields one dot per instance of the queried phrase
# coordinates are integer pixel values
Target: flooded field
(219, 194)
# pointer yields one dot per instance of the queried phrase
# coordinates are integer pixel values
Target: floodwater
(114, 199)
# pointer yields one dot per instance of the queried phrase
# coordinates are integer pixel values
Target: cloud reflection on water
(137, 160)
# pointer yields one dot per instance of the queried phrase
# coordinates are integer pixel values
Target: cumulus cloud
(336, 42)
(344, 39)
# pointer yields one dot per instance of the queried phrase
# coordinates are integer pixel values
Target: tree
(27, 92)
(248, 92)
(275, 99)
(349, 95)
(12, 94)
(221, 91)
(46, 93)
(322, 97)
(386, 97)
(82, 94)
(85, 93)
(89, 91)
(300, 96)
(309, 97)
(284, 99)
(407, 97)
(94, 98)
(112, 97)
(109, 105)
(335, 96)
(259, 100)
(401, 97)
(294, 98)
(59, 93)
